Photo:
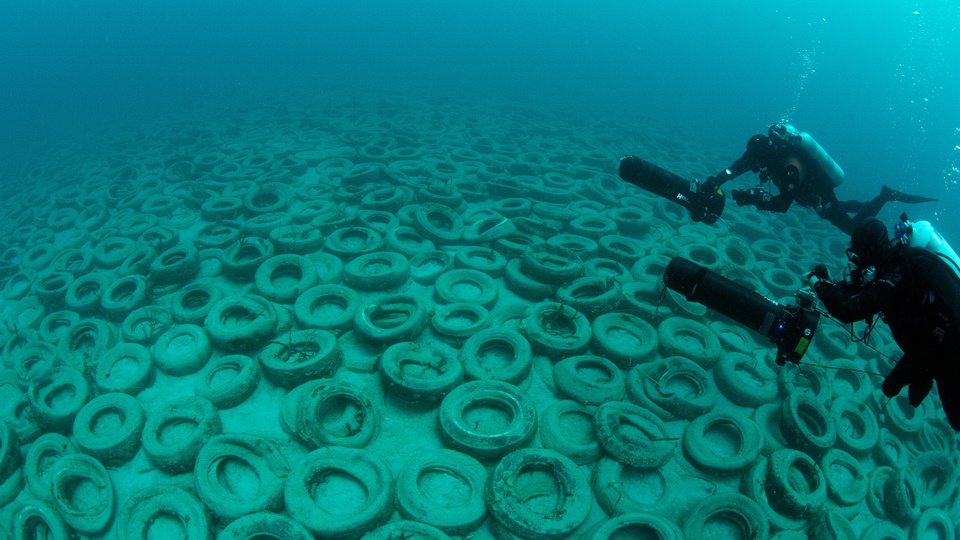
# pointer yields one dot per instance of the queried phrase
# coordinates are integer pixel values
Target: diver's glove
(904, 373)
(818, 276)
(752, 196)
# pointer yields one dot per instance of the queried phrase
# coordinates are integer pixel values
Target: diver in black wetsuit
(802, 172)
(917, 293)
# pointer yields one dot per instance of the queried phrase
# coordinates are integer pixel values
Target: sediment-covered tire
(150, 506)
(299, 356)
(191, 303)
(734, 444)
(633, 435)
(228, 381)
(438, 223)
(282, 278)
(82, 345)
(902, 493)
(524, 285)
(426, 267)
(327, 307)
(290, 406)
(241, 323)
(890, 450)
(689, 338)
(796, 485)
(473, 286)
(857, 428)
(623, 489)
(337, 413)
(33, 518)
(831, 525)
(753, 484)
(443, 488)
(517, 473)
(57, 397)
(91, 511)
(883, 530)
(407, 241)
(845, 477)
(420, 373)
(40, 463)
(264, 526)
(249, 460)
(623, 338)
(175, 432)
(937, 478)
(487, 419)
(349, 242)
(392, 319)
(182, 350)
(125, 295)
(640, 524)
(109, 426)
(733, 509)
(145, 324)
(406, 529)
(84, 294)
(567, 427)
(242, 258)
(483, 259)
(179, 264)
(549, 263)
(326, 513)
(457, 322)
(556, 330)
(126, 367)
(933, 521)
(592, 295)
(588, 379)
(34, 360)
(498, 354)
(806, 425)
(744, 380)
(377, 271)
(876, 484)
(660, 383)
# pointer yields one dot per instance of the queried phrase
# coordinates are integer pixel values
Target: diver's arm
(749, 161)
(779, 204)
(849, 303)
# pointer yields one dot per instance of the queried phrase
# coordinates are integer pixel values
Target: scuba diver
(913, 284)
(803, 172)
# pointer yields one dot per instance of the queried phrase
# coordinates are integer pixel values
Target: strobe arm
(790, 328)
(705, 205)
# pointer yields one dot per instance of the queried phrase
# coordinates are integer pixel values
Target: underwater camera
(705, 206)
(791, 327)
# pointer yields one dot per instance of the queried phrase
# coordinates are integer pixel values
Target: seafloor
(326, 322)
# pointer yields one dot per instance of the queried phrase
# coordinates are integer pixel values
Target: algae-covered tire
(846, 479)
(876, 484)
(733, 509)
(282, 278)
(633, 435)
(717, 454)
(831, 525)
(299, 356)
(265, 526)
(426, 267)
(438, 223)
(179, 264)
(556, 330)
(175, 432)
(91, 513)
(378, 271)
(588, 379)
(549, 263)
(457, 322)
(592, 295)
(182, 350)
(40, 463)
(109, 426)
(497, 354)
(327, 307)
(143, 510)
(883, 530)
(510, 504)
(228, 381)
(337, 413)
(322, 511)
(744, 380)
(225, 461)
(938, 482)
(191, 303)
(623, 338)
(33, 518)
(392, 319)
(443, 488)
(689, 338)
(567, 427)
(125, 295)
(901, 496)
(796, 485)
(659, 381)
(857, 429)
(127, 368)
(241, 323)
(641, 524)
(420, 373)
(806, 425)
(487, 419)
(473, 286)
(72, 391)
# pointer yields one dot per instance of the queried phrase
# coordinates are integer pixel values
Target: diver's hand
(752, 196)
(817, 275)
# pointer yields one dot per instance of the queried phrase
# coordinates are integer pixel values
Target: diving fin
(889, 194)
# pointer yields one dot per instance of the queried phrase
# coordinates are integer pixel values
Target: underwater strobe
(791, 327)
(703, 206)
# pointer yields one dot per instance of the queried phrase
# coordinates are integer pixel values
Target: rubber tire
(59, 382)
(845, 489)
(454, 505)
(806, 425)
(699, 450)
(260, 325)
(138, 514)
(179, 456)
(124, 296)
(680, 336)
(299, 356)
(640, 524)
(645, 385)
(308, 313)
(481, 361)
(577, 440)
(192, 302)
(377, 271)
(419, 373)
(589, 380)
(733, 508)
(224, 390)
(265, 526)
(298, 274)
(33, 518)
(470, 286)
(510, 505)
(556, 330)
(857, 428)
(608, 340)
(90, 517)
(119, 444)
(374, 321)
(324, 419)
(182, 350)
(40, 463)
(757, 388)
(457, 433)
(113, 372)
(593, 296)
(145, 324)
(224, 454)
(783, 488)
(365, 467)
(647, 452)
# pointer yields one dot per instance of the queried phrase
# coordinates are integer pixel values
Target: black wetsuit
(773, 159)
(918, 296)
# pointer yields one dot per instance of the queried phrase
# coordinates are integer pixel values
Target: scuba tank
(831, 170)
(923, 234)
